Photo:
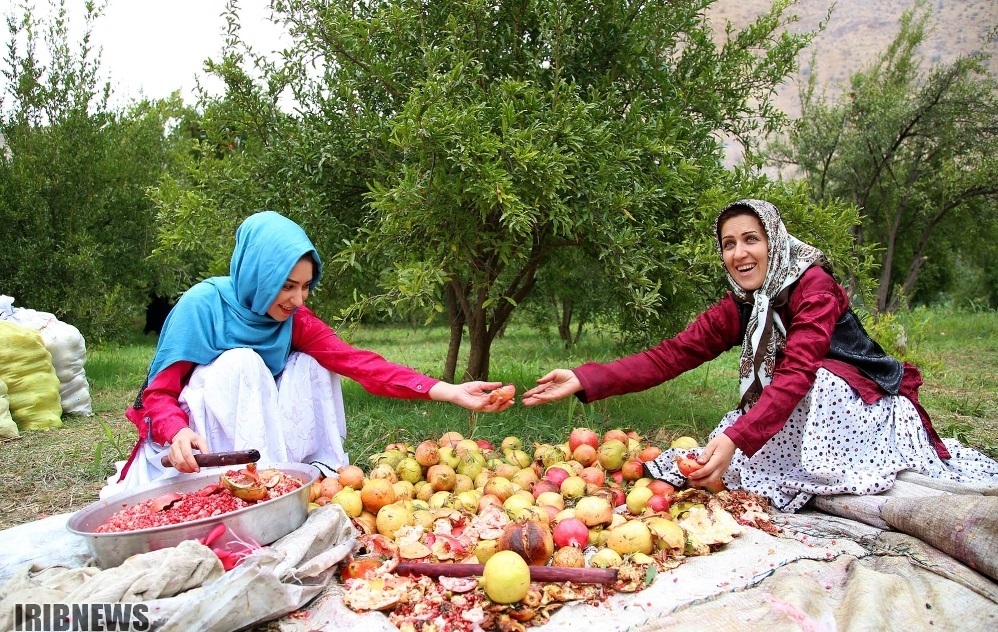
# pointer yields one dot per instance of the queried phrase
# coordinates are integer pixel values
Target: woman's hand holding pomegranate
(716, 458)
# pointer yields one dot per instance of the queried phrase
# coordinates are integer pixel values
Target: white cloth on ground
(185, 587)
(236, 404)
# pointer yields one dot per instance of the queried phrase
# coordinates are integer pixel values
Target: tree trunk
(483, 327)
(456, 319)
(478, 358)
(884, 289)
(565, 324)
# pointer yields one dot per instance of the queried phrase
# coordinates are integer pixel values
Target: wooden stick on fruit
(537, 573)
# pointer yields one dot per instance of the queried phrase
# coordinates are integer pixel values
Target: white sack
(68, 349)
(8, 429)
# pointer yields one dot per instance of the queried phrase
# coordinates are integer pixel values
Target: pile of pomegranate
(586, 503)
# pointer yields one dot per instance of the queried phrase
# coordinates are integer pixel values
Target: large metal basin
(263, 523)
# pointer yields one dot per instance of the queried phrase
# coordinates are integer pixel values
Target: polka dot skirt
(835, 443)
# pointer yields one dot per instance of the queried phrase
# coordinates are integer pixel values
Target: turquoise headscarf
(230, 312)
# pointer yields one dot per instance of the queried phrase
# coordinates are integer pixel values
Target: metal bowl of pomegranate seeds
(246, 526)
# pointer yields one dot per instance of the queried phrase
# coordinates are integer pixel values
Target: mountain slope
(859, 30)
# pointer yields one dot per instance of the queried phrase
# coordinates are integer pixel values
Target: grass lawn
(61, 470)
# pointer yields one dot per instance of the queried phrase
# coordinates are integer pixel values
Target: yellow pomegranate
(506, 577)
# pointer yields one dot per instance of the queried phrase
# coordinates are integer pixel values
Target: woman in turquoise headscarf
(241, 363)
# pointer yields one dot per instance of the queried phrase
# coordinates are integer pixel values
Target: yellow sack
(32, 385)
(8, 429)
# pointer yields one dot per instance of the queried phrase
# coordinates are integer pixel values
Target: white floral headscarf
(765, 334)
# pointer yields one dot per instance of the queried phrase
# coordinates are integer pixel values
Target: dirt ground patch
(55, 471)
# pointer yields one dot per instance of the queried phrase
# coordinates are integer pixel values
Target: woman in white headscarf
(823, 409)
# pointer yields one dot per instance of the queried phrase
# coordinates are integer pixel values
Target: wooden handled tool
(537, 573)
(215, 459)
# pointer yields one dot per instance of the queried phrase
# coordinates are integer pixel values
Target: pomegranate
(712, 486)
(484, 549)
(506, 577)
(570, 532)
(632, 470)
(384, 471)
(427, 453)
(552, 512)
(441, 477)
(502, 394)
(525, 478)
(570, 557)
(450, 439)
(637, 499)
(684, 443)
(659, 503)
(542, 486)
(593, 511)
(668, 534)
(616, 434)
(515, 504)
(409, 469)
(554, 499)
(328, 487)
(449, 456)
(617, 496)
(404, 490)
(687, 465)
(649, 453)
(585, 455)
(351, 476)
(606, 558)
(582, 436)
(556, 475)
(594, 476)
(573, 487)
(393, 517)
(349, 499)
(511, 443)
(506, 470)
(244, 484)
(499, 487)
(358, 568)
(552, 456)
(612, 454)
(529, 539)
(376, 493)
(633, 536)
(519, 458)
(464, 446)
(488, 500)
(662, 488)
(367, 522)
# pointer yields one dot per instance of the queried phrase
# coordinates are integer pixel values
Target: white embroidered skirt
(236, 404)
(835, 443)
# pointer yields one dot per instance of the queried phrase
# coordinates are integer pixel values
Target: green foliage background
(463, 158)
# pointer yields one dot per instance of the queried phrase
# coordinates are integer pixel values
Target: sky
(153, 47)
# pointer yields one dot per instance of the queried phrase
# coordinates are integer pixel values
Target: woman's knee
(239, 358)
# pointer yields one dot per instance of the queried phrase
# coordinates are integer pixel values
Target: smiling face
(294, 292)
(745, 250)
